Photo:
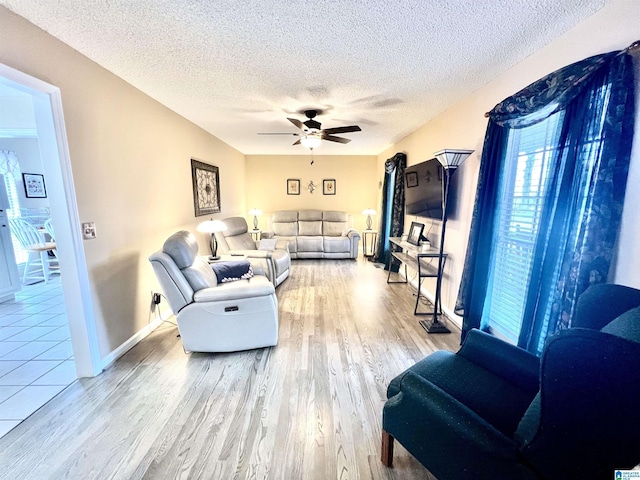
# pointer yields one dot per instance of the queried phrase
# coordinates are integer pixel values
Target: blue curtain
(392, 217)
(576, 239)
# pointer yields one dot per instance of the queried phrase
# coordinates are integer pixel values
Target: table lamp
(211, 227)
(368, 212)
(255, 212)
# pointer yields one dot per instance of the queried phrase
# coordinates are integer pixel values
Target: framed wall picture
(293, 186)
(412, 179)
(206, 188)
(415, 233)
(34, 185)
(329, 186)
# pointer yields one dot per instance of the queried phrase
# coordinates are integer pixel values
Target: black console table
(421, 262)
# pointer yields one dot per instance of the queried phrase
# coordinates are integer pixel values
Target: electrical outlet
(89, 230)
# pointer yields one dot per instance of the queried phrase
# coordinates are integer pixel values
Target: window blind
(13, 212)
(528, 154)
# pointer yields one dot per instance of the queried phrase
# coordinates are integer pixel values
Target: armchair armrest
(512, 363)
(254, 287)
(282, 245)
(435, 427)
(252, 253)
(351, 233)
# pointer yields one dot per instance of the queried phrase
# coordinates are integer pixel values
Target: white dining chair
(40, 265)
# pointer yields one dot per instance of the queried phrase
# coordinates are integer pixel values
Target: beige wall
(463, 126)
(356, 184)
(130, 158)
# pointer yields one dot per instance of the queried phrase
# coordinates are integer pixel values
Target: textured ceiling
(237, 68)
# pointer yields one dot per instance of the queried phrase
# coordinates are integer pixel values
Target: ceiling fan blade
(331, 138)
(297, 143)
(296, 122)
(278, 133)
(352, 128)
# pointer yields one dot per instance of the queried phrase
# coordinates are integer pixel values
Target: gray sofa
(236, 239)
(315, 233)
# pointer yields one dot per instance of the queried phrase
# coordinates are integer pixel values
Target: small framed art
(34, 185)
(293, 186)
(329, 186)
(415, 233)
(206, 188)
(412, 179)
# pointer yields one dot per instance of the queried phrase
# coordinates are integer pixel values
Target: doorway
(74, 293)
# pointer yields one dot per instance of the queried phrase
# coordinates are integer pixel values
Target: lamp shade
(311, 141)
(211, 226)
(368, 212)
(255, 212)
(450, 158)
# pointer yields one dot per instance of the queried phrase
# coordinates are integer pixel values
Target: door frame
(52, 139)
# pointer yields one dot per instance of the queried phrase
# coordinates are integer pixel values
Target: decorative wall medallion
(206, 188)
(311, 187)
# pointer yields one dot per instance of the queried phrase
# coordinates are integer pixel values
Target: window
(13, 212)
(526, 171)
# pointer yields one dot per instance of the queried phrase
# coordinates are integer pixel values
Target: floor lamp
(450, 160)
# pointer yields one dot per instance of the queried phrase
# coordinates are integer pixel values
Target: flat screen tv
(423, 189)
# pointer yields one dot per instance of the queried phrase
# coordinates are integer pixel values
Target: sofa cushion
(287, 229)
(310, 215)
(333, 216)
(336, 244)
(310, 244)
(310, 228)
(285, 216)
(199, 275)
(235, 226)
(268, 244)
(241, 242)
(334, 229)
(182, 247)
(292, 241)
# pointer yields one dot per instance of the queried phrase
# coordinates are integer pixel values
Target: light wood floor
(309, 408)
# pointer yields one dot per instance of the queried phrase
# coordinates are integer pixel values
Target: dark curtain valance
(548, 95)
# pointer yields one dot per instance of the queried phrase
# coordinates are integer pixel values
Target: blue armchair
(494, 411)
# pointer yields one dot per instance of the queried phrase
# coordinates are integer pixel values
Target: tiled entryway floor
(36, 359)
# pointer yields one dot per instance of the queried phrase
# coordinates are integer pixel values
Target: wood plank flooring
(309, 408)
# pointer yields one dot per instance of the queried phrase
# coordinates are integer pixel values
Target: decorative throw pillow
(232, 271)
(268, 244)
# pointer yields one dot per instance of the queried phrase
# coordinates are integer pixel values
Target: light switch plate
(89, 230)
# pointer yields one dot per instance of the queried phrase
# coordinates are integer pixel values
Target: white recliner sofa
(236, 239)
(315, 233)
(214, 317)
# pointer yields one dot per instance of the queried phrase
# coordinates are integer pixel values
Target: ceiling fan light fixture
(311, 141)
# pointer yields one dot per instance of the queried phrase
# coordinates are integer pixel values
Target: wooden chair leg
(387, 449)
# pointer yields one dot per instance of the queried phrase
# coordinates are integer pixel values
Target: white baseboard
(130, 343)
(456, 319)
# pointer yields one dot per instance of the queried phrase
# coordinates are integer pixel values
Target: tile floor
(36, 359)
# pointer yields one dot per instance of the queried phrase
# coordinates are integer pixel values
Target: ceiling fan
(312, 134)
